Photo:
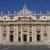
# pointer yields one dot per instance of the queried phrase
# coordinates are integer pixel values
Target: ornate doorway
(24, 38)
(38, 37)
(11, 38)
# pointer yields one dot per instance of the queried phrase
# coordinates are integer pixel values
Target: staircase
(24, 43)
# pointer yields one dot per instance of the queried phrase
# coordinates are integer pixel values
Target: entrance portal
(38, 37)
(19, 39)
(25, 38)
(11, 38)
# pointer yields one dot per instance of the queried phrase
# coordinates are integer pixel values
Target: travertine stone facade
(24, 26)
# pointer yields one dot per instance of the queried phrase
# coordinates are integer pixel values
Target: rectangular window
(30, 39)
(19, 39)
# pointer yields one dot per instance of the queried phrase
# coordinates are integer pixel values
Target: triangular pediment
(24, 11)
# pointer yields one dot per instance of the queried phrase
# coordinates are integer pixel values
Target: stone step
(23, 43)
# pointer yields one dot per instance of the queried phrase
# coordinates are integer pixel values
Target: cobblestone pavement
(24, 47)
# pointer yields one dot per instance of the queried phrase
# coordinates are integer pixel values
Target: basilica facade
(24, 27)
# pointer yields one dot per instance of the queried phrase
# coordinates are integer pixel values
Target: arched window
(30, 17)
(4, 18)
(44, 17)
(19, 17)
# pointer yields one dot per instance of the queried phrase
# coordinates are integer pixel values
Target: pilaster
(1, 30)
(16, 33)
(21, 34)
(8, 33)
(28, 34)
(42, 32)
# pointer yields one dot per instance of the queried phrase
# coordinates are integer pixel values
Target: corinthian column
(1, 31)
(21, 34)
(17, 31)
(35, 34)
(28, 34)
(42, 33)
(8, 33)
(32, 33)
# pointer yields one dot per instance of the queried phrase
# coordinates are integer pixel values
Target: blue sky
(17, 5)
